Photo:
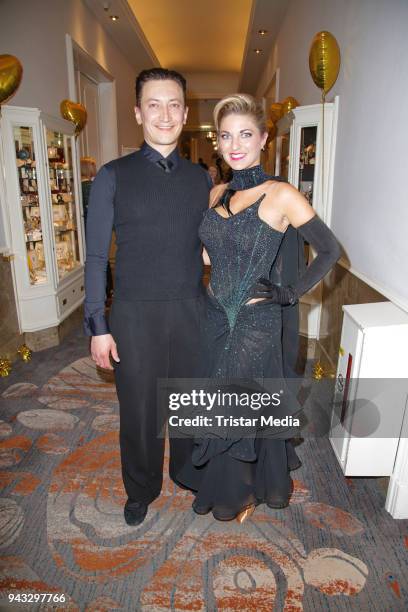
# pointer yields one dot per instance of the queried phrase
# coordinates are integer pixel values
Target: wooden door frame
(83, 138)
(108, 128)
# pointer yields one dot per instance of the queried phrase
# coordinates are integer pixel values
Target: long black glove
(328, 252)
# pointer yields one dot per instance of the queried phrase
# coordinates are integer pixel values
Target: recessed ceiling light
(262, 32)
(258, 51)
(114, 17)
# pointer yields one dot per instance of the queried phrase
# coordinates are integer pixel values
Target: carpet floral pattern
(62, 529)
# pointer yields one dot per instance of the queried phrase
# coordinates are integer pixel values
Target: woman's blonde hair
(88, 167)
(240, 104)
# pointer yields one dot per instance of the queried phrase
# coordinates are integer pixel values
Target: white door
(90, 136)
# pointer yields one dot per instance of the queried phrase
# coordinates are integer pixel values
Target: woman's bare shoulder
(290, 203)
(280, 191)
(216, 192)
(276, 184)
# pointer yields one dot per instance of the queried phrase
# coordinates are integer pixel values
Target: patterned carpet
(62, 528)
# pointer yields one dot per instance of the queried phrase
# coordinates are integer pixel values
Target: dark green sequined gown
(243, 341)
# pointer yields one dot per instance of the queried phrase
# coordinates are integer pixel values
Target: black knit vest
(156, 219)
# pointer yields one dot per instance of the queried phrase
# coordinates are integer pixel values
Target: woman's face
(240, 141)
(212, 171)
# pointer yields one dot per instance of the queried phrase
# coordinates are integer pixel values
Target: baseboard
(53, 336)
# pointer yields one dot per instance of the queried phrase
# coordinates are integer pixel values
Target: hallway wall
(35, 34)
(370, 214)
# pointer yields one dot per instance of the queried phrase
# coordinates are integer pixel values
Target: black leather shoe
(278, 504)
(135, 512)
(200, 510)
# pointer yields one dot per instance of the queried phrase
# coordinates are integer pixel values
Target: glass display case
(64, 217)
(305, 152)
(307, 161)
(26, 163)
(44, 214)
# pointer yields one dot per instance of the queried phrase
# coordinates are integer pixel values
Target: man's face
(161, 113)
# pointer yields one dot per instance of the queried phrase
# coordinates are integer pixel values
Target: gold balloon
(275, 111)
(324, 60)
(289, 104)
(272, 129)
(74, 112)
(11, 72)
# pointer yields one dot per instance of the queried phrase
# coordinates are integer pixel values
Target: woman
(242, 232)
(213, 172)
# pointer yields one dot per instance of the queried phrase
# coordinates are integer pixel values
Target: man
(155, 200)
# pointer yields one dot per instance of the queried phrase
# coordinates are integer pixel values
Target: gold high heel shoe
(242, 516)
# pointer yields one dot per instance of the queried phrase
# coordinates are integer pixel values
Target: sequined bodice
(242, 249)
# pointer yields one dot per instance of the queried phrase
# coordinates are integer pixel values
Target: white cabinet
(44, 216)
(305, 150)
(371, 389)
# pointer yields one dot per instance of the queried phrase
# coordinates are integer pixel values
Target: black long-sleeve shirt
(155, 214)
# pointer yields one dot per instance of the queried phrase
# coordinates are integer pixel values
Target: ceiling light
(114, 17)
(262, 32)
(258, 51)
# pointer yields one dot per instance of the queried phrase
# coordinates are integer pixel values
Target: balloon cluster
(276, 112)
(5, 363)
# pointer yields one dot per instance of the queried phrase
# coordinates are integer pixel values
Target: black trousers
(155, 339)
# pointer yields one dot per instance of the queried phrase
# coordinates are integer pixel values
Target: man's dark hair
(158, 74)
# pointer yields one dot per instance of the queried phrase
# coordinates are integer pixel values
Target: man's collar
(154, 155)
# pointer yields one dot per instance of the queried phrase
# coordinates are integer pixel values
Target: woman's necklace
(248, 178)
(241, 180)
